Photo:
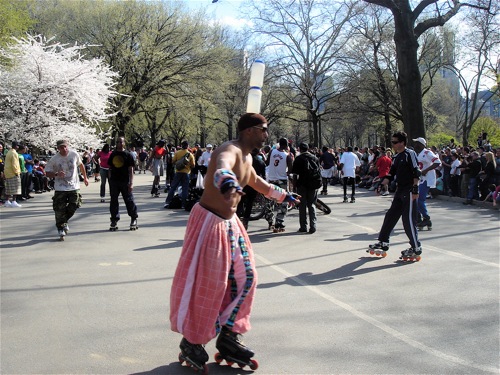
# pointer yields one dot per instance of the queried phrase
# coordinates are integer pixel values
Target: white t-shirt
(69, 164)
(277, 165)
(425, 159)
(454, 168)
(205, 158)
(350, 162)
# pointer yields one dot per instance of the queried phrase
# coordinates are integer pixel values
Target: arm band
(224, 179)
(276, 193)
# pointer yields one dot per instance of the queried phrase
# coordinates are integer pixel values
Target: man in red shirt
(383, 164)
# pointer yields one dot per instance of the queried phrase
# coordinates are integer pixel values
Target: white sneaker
(7, 203)
(385, 193)
(15, 204)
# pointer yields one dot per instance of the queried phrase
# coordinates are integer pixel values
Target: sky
(224, 11)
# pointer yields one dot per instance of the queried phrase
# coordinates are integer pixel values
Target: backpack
(313, 174)
(182, 162)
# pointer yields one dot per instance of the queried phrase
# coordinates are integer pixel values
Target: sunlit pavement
(98, 303)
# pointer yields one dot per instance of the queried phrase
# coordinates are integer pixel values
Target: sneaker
(7, 203)
(302, 230)
(312, 230)
(15, 204)
(166, 205)
(385, 194)
(65, 228)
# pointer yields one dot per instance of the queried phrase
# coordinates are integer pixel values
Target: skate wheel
(405, 259)
(218, 358)
(254, 364)
(372, 252)
(417, 258)
(384, 254)
(181, 359)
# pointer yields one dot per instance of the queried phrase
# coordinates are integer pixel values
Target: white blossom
(49, 91)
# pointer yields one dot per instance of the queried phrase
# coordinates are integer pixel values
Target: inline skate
(278, 228)
(411, 255)
(133, 224)
(232, 349)
(379, 249)
(113, 226)
(194, 355)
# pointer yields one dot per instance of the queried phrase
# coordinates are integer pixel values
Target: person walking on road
(405, 171)
(427, 162)
(63, 167)
(349, 165)
(215, 280)
(306, 167)
(121, 181)
(280, 164)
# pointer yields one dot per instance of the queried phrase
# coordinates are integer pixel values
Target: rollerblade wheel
(254, 364)
(384, 254)
(181, 358)
(372, 252)
(417, 258)
(218, 358)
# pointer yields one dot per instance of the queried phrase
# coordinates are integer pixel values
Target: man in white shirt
(427, 162)
(204, 159)
(350, 164)
(279, 162)
(64, 167)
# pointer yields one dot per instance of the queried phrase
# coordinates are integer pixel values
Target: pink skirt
(215, 279)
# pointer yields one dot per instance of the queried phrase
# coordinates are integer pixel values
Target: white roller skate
(133, 224)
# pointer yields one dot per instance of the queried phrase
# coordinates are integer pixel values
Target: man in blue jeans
(427, 162)
(182, 171)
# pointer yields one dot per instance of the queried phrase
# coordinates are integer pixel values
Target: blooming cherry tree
(51, 91)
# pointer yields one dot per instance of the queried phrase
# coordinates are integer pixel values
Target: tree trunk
(409, 79)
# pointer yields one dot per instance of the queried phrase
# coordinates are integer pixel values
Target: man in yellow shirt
(184, 162)
(12, 173)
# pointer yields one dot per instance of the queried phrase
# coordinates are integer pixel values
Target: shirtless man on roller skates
(215, 280)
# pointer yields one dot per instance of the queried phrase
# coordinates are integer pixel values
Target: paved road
(98, 303)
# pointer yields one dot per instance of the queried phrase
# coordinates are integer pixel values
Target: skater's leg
(195, 310)
(104, 179)
(74, 201)
(353, 187)
(302, 191)
(344, 183)
(391, 219)
(128, 198)
(312, 196)
(282, 208)
(423, 190)
(409, 218)
(59, 202)
(114, 208)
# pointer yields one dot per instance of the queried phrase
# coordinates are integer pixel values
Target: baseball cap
(62, 142)
(303, 146)
(420, 140)
(209, 146)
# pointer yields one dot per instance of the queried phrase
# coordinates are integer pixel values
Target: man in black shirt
(405, 171)
(121, 178)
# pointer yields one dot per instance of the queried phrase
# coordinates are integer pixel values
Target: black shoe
(467, 202)
(312, 230)
(302, 230)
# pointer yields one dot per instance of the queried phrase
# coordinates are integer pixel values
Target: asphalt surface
(98, 303)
